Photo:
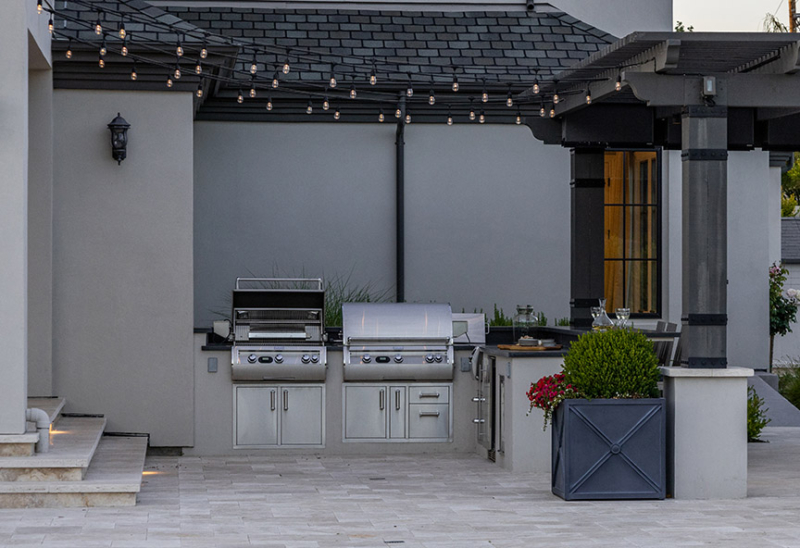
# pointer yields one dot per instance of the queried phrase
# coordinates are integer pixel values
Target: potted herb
(609, 425)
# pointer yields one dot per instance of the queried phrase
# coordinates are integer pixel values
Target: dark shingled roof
(790, 240)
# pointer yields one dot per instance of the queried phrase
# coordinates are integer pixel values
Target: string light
(179, 48)
(337, 114)
(455, 83)
(122, 32)
(431, 98)
(398, 113)
(68, 53)
(485, 94)
(332, 82)
(373, 77)
(101, 62)
(509, 99)
(381, 117)
(309, 108)
(275, 82)
(542, 111)
(98, 27)
(326, 104)
(482, 118)
(103, 49)
(269, 103)
(177, 72)
(518, 119)
(124, 49)
(50, 25)
(471, 110)
(39, 8)
(286, 67)
(536, 87)
(408, 117)
(410, 88)
(199, 90)
(353, 92)
(556, 98)
(134, 75)
(552, 112)
(198, 68)
(588, 96)
(252, 89)
(449, 116)
(169, 81)
(618, 84)
(240, 97)
(254, 64)
(203, 50)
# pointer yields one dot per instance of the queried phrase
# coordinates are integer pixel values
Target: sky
(730, 15)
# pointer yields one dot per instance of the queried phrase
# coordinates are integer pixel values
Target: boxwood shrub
(619, 363)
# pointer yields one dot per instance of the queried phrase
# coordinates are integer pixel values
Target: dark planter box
(609, 449)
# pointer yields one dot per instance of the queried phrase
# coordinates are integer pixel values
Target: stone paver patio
(430, 501)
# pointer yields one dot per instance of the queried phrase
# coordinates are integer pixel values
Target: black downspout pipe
(400, 231)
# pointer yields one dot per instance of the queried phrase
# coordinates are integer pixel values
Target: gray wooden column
(587, 253)
(705, 259)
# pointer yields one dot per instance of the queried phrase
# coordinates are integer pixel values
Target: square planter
(609, 449)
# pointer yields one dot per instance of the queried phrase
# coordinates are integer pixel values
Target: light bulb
(269, 103)
(588, 98)
(518, 120)
(485, 96)
(103, 49)
(541, 112)
(409, 89)
(240, 97)
(169, 81)
(353, 93)
(309, 108)
(179, 50)
(252, 93)
(449, 120)
(408, 118)
(556, 98)
(199, 90)
(203, 52)
(472, 114)
(536, 87)
(381, 117)
(482, 118)
(552, 113)
(198, 68)
(373, 78)
(254, 65)
(122, 32)
(398, 113)
(337, 114)
(326, 104)
(50, 25)
(101, 63)
(275, 82)
(618, 84)
(431, 98)
(455, 84)
(124, 49)
(39, 8)
(68, 53)
(509, 100)
(332, 81)
(286, 67)
(134, 76)
(177, 72)
(98, 28)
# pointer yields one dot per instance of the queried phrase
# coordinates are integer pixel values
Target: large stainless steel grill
(397, 341)
(278, 327)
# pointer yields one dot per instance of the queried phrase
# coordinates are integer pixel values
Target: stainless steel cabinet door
(397, 411)
(256, 415)
(365, 412)
(301, 415)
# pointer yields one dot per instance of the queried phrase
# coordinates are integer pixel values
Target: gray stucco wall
(487, 211)
(122, 311)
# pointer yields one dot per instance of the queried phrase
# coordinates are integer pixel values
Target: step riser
(17, 449)
(42, 474)
(66, 500)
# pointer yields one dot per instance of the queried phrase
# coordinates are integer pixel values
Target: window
(632, 231)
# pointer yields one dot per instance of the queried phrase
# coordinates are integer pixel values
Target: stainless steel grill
(397, 341)
(278, 327)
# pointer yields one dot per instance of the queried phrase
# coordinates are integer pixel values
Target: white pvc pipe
(42, 420)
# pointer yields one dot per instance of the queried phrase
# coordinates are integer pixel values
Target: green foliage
(541, 319)
(789, 384)
(500, 319)
(756, 415)
(564, 322)
(790, 181)
(788, 205)
(782, 308)
(680, 28)
(340, 290)
(619, 363)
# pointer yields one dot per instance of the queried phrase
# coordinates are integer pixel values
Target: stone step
(113, 479)
(72, 445)
(51, 406)
(22, 445)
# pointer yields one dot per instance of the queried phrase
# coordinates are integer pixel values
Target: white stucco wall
(122, 336)
(484, 224)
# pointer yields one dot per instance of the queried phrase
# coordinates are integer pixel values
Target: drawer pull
(479, 399)
(428, 413)
(479, 421)
(429, 395)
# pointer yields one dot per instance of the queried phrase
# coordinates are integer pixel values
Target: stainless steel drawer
(429, 394)
(428, 421)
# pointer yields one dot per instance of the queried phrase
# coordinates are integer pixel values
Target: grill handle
(410, 341)
(317, 281)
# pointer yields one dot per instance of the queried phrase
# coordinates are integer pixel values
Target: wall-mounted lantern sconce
(119, 138)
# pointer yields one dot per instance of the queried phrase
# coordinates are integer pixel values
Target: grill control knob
(438, 358)
(429, 358)
(366, 358)
(306, 358)
(315, 359)
(398, 358)
(279, 358)
(252, 358)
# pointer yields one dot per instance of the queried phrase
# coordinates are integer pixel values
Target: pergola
(702, 93)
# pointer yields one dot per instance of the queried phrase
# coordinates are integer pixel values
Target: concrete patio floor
(430, 501)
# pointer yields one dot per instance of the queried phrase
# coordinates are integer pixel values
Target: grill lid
(412, 323)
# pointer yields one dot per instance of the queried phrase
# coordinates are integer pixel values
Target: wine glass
(622, 316)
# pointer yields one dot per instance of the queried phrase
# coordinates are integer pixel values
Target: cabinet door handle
(479, 421)
(429, 395)
(428, 413)
(479, 399)
(381, 398)
(285, 400)
(397, 400)
(272, 400)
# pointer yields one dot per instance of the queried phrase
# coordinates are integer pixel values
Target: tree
(773, 24)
